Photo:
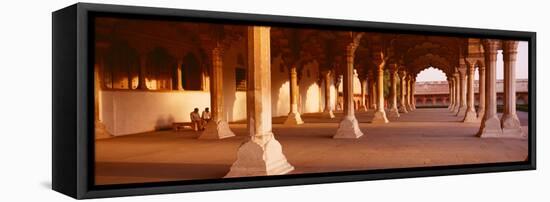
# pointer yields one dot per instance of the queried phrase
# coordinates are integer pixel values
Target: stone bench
(181, 125)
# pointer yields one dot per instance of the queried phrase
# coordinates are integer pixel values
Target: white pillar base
(452, 108)
(216, 130)
(256, 159)
(461, 111)
(328, 114)
(394, 113)
(380, 117)
(480, 114)
(100, 131)
(348, 128)
(511, 126)
(403, 109)
(294, 118)
(470, 117)
(490, 128)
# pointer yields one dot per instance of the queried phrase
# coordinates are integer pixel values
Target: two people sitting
(198, 122)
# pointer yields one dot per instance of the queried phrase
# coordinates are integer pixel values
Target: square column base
(394, 113)
(380, 117)
(461, 111)
(403, 109)
(490, 128)
(348, 128)
(216, 130)
(257, 159)
(294, 118)
(328, 114)
(511, 127)
(470, 117)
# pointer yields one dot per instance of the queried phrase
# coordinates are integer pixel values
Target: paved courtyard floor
(425, 137)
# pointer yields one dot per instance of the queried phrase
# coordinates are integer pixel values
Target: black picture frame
(73, 127)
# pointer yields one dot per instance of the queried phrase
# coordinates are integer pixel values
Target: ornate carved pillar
(456, 82)
(364, 87)
(413, 90)
(294, 117)
(481, 89)
(328, 105)
(462, 92)
(490, 125)
(179, 75)
(450, 82)
(511, 126)
(471, 115)
(262, 154)
(217, 128)
(380, 114)
(393, 112)
(408, 91)
(372, 89)
(349, 127)
(403, 99)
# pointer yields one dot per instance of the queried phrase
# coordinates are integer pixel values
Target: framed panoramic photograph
(156, 100)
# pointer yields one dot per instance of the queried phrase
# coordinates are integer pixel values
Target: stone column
(141, 76)
(372, 89)
(471, 115)
(453, 93)
(217, 127)
(179, 76)
(393, 112)
(294, 117)
(457, 92)
(408, 89)
(490, 125)
(511, 126)
(450, 82)
(261, 154)
(349, 127)
(481, 89)
(462, 93)
(380, 114)
(403, 98)
(413, 92)
(364, 87)
(328, 107)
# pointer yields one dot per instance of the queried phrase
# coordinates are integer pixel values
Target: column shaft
(403, 97)
(481, 89)
(380, 114)
(328, 105)
(217, 127)
(490, 125)
(262, 154)
(349, 127)
(471, 115)
(393, 112)
(294, 117)
(511, 126)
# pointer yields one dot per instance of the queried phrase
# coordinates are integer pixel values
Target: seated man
(206, 116)
(196, 121)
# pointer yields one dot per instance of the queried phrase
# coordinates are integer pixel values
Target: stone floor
(425, 137)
